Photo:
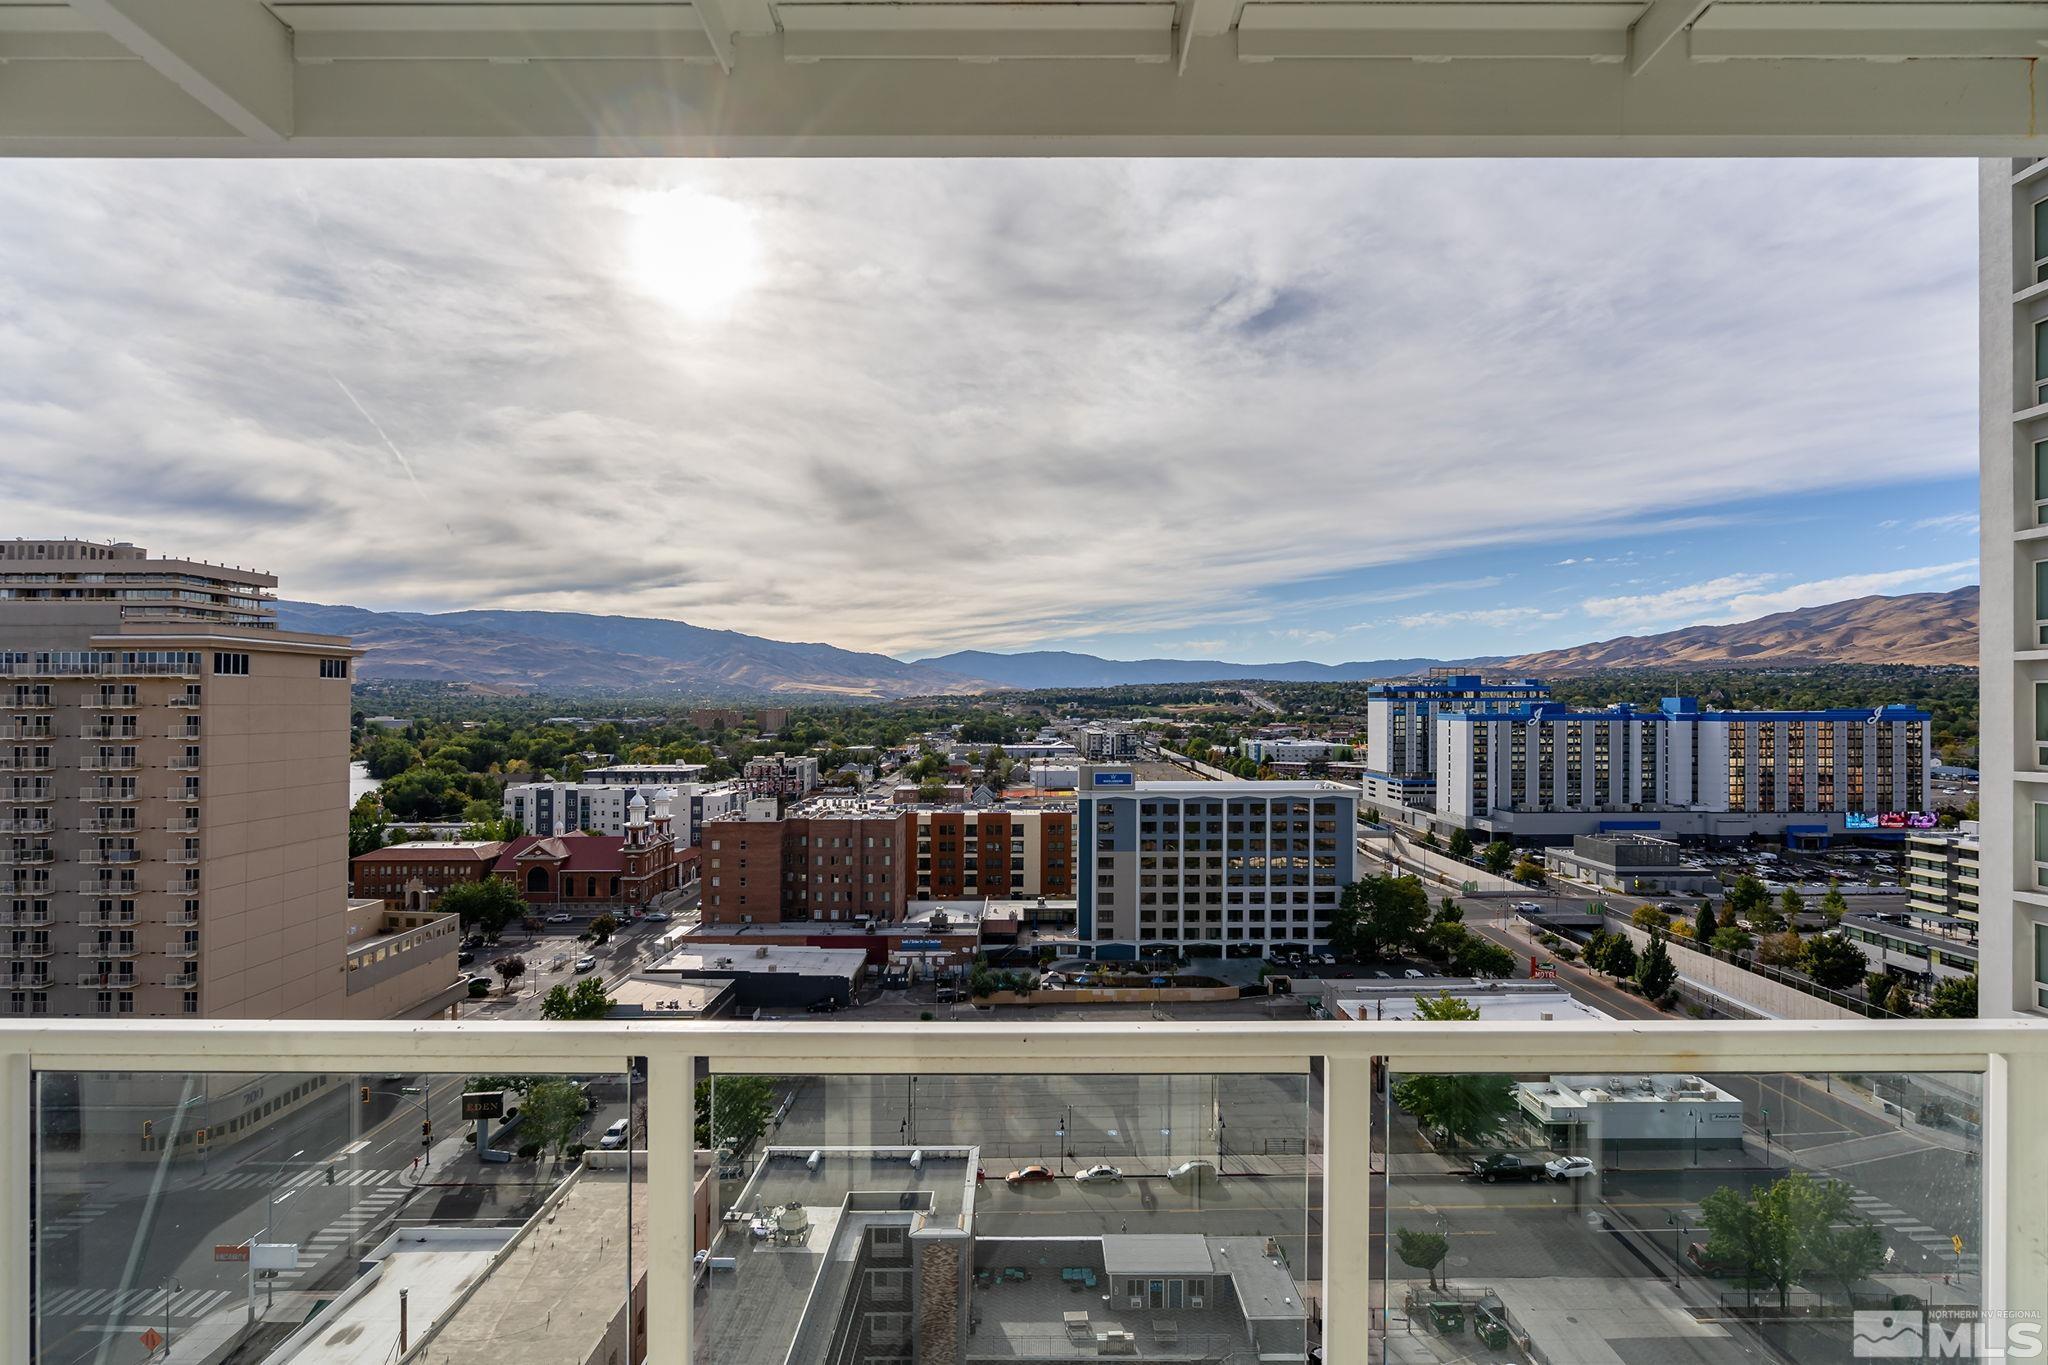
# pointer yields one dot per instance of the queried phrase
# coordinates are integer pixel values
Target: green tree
(1529, 872)
(1498, 857)
(1378, 914)
(509, 969)
(387, 756)
(1461, 843)
(931, 789)
(365, 825)
(550, 1113)
(1612, 954)
(603, 927)
(1650, 918)
(1834, 904)
(1797, 1226)
(1654, 973)
(489, 905)
(1791, 906)
(585, 1000)
(733, 1111)
(1900, 1000)
(1706, 924)
(1747, 898)
(1730, 939)
(1424, 1251)
(1785, 949)
(1460, 1108)
(1833, 962)
(1953, 998)
(1476, 957)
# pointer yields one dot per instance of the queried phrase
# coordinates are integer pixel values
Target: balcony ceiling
(974, 77)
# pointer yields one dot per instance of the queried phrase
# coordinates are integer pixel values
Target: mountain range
(570, 652)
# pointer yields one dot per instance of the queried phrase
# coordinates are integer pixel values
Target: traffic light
(202, 1137)
(366, 1094)
(148, 1129)
(426, 1128)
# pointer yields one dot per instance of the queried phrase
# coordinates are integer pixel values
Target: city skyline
(1123, 408)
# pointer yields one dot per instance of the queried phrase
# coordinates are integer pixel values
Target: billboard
(1892, 820)
(1111, 779)
(1861, 820)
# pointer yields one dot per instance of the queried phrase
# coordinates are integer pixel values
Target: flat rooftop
(761, 958)
(552, 1297)
(1496, 1000)
(755, 1311)
(434, 1266)
(638, 996)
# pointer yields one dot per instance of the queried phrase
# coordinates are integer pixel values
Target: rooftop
(434, 1267)
(638, 997)
(754, 959)
(1497, 1001)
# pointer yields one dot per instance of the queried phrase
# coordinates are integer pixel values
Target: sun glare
(697, 252)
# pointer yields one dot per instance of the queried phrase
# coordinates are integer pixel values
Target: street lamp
(426, 1125)
(171, 1287)
(1678, 1231)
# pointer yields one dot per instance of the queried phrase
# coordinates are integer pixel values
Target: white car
(1563, 1168)
(1098, 1175)
(584, 964)
(561, 919)
(1411, 973)
(614, 1136)
(657, 917)
(1197, 1169)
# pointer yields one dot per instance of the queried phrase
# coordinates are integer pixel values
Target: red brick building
(413, 875)
(1005, 854)
(832, 865)
(596, 869)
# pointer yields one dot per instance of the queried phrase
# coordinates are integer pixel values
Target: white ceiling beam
(48, 45)
(1446, 29)
(324, 31)
(1200, 19)
(233, 56)
(981, 31)
(1895, 30)
(1661, 21)
(89, 108)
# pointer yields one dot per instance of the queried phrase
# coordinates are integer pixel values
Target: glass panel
(2041, 954)
(2041, 471)
(209, 1217)
(1708, 1219)
(987, 1218)
(2041, 350)
(2041, 230)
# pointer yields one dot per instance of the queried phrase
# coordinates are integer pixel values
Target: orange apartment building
(1003, 854)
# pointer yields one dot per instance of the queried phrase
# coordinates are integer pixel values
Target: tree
(585, 1000)
(733, 1110)
(550, 1112)
(1781, 950)
(1791, 906)
(1654, 973)
(1797, 1226)
(1612, 954)
(1529, 872)
(365, 825)
(1730, 939)
(1833, 962)
(1375, 914)
(1954, 998)
(1747, 898)
(1899, 1001)
(511, 969)
(1461, 843)
(489, 905)
(1650, 918)
(1834, 904)
(1461, 1108)
(1498, 857)
(386, 756)
(1706, 924)
(1476, 957)
(603, 927)
(1422, 1250)
(931, 789)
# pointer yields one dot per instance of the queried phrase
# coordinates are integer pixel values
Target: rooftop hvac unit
(812, 1162)
(917, 1160)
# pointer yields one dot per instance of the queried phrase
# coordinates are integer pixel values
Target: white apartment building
(1287, 750)
(645, 775)
(790, 776)
(1176, 864)
(1942, 873)
(1400, 729)
(1106, 743)
(1546, 772)
(551, 808)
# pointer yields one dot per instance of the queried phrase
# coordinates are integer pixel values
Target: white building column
(1347, 1209)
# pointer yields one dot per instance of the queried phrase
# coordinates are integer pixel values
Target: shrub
(925, 1016)
(575, 1150)
(529, 1151)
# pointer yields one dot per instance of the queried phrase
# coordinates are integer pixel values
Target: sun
(696, 252)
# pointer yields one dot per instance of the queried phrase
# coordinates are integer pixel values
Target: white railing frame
(2011, 1056)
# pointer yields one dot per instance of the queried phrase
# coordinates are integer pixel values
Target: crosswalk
(1913, 1229)
(323, 1243)
(78, 1218)
(254, 1180)
(142, 1303)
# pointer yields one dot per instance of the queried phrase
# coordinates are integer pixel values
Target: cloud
(1494, 618)
(1742, 597)
(1191, 646)
(1948, 521)
(923, 404)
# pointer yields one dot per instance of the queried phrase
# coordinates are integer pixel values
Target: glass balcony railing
(726, 1193)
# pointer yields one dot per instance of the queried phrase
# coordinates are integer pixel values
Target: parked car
(561, 919)
(1192, 1170)
(826, 1006)
(947, 993)
(1027, 1175)
(465, 956)
(479, 980)
(1411, 973)
(586, 963)
(614, 1136)
(1504, 1166)
(1098, 1175)
(1563, 1168)
(657, 917)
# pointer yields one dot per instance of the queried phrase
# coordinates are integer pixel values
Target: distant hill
(566, 652)
(1058, 668)
(1918, 628)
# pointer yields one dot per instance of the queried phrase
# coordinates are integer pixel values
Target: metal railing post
(671, 1208)
(1347, 1209)
(2014, 1257)
(17, 1133)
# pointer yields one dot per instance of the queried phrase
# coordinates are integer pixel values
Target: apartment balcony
(11, 764)
(184, 918)
(182, 825)
(27, 857)
(27, 826)
(106, 952)
(106, 981)
(183, 764)
(182, 700)
(28, 734)
(109, 794)
(183, 857)
(885, 1125)
(105, 733)
(123, 886)
(100, 669)
(181, 981)
(9, 916)
(117, 763)
(95, 825)
(181, 793)
(182, 887)
(30, 950)
(31, 702)
(110, 857)
(97, 916)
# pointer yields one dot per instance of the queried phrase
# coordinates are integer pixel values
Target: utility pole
(171, 1287)
(402, 1323)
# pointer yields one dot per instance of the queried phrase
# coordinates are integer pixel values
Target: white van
(615, 1136)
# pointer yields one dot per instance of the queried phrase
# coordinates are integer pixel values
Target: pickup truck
(1505, 1166)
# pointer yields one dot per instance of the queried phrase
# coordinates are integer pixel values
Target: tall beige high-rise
(173, 792)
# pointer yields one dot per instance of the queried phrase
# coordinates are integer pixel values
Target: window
(2041, 483)
(334, 668)
(2040, 240)
(236, 665)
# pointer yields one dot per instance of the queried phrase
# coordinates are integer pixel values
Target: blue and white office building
(1166, 866)
(1545, 772)
(1400, 729)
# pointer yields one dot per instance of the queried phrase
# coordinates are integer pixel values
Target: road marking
(352, 1148)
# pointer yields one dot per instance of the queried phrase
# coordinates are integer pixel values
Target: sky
(1248, 410)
